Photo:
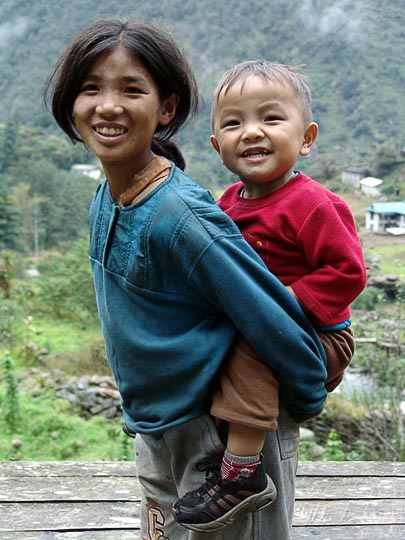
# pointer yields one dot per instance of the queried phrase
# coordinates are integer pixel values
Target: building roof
(370, 181)
(396, 207)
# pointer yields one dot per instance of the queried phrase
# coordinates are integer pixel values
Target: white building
(386, 217)
(370, 186)
(92, 171)
(352, 176)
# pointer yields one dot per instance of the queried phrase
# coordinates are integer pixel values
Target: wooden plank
(386, 532)
(128, 468)
(350, 512)
(72, 516)
(52, 489)
(121, 534)
(351, 468)
(110, 515)
(359, 532)
(67, 468)
(115, 488)
(328, 488)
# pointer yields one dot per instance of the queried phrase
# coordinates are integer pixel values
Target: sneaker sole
(254, 503)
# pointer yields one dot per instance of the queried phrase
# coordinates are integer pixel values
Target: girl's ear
(309, 138)
(169, 107)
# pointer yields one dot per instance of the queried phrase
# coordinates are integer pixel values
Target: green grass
(48, 430)
(63, 337)
(74, 347)
(392, 258)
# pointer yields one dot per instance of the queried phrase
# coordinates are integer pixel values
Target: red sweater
(307, 237)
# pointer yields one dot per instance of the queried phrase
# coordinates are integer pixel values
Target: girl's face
(117, 111)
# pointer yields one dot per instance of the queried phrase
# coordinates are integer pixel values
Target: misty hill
(353, 52)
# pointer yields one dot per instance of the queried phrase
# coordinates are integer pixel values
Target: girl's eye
(133, 90)
(89, 88)
(272, 118)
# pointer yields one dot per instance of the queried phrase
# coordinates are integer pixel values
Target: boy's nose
(252, 131)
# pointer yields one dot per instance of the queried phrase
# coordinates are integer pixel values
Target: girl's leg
(246, 396)
(171, 464)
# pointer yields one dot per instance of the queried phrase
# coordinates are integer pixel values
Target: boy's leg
(246, 390)
(156, 458)
(339, 349)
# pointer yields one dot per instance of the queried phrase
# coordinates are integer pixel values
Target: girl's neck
(120, 177)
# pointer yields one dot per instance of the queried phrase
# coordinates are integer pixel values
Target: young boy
(262, 122)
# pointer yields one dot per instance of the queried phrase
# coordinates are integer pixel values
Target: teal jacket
(174, 281)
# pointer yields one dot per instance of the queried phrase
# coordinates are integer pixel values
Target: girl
(167, 264)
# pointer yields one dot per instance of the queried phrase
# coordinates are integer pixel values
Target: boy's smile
(259, 132)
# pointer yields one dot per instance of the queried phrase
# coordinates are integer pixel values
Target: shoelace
(209, 482)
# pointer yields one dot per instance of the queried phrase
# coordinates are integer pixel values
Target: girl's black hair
(150, 45)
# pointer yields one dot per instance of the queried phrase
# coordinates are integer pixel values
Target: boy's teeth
(110, 131)
(250, 154)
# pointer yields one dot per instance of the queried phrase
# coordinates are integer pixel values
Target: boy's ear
(309, 139)
(215, 144)
(169, 107)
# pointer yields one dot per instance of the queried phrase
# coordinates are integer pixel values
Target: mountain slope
(353, 54)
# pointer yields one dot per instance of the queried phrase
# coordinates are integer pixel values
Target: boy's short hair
(270, 71)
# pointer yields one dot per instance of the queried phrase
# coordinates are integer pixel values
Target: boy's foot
(217, 502)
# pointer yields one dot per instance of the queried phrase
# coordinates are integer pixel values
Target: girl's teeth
(110, 131)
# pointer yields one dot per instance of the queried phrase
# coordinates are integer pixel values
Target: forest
(352, 55)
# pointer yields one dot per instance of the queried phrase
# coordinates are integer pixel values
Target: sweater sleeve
(332, 247)
(236, 281)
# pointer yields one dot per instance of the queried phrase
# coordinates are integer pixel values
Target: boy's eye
(231, 123)
(272, 118)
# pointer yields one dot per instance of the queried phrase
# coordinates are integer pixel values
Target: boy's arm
(333, 249)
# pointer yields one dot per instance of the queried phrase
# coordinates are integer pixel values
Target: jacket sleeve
(236, 281)
(332, 248)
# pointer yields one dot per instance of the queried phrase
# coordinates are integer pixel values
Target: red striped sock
(233, 466)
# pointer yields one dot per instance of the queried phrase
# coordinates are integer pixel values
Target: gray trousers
(174, 463)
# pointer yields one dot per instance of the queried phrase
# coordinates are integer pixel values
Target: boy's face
(259, 132)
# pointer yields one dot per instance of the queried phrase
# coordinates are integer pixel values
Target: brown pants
(245, 391)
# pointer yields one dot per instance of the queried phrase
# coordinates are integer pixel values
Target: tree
(386, 160)
(9, 229)
(8, 144)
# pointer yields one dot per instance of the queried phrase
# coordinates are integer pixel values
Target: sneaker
(218, 501)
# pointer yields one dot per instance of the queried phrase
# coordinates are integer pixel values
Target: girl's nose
(109, 107)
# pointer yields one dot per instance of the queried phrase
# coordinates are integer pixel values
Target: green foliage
(65, 287)
(368, 299)
(10, 403)
(8, 145)
(42, 203)
(49, 430)
(9, 228)
(386, 160)
(334, 450)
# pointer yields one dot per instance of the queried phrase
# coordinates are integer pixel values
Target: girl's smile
(116, 113)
